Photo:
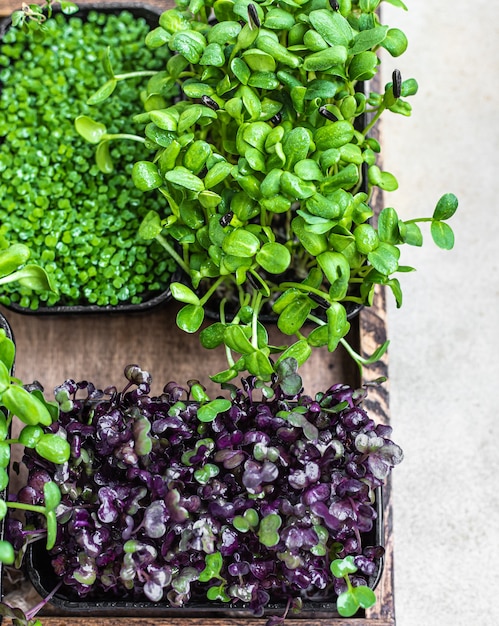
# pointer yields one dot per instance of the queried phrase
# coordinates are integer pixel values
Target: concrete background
(443, 354)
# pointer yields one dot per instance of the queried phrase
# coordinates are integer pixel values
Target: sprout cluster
(79, 223)
(238, 500)
(260, 127)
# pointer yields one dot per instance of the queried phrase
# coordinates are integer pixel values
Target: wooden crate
(97, 347)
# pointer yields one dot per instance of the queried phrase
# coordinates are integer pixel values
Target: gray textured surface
(443, 356)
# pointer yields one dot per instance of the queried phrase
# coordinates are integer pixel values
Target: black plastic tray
(44, 579)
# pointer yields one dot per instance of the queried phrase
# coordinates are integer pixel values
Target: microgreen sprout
(268, 169)
(353, 598)
(26, 618)
(35, 413)
(31, 17)
(245, 507)
(14, 268)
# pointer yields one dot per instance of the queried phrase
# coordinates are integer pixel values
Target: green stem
(254, 321)
(316, 320)
(124, 136)
(211, 291)
(355, 355)
(173, 253)
(26, 507)
(347, 580)
(414, 220)
(228, 353)
(135, 74)
(304, 287)
(374, 120)
(173, 205)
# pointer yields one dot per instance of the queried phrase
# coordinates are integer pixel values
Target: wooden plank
(97, 347)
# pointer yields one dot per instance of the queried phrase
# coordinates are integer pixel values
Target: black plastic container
(151, 15)
(151, 303)
(4, 324)
(66, 602)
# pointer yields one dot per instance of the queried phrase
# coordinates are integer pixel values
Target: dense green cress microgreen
(80, 224)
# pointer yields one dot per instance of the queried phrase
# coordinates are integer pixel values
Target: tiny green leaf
(337, 270)
(157, 37)
(68, 8)
(384, 180)
(52, 495)
(30, 435)
(241, 242)
(446, 207)
(103, 92)
(364, 596)
(189, 43)
(182, 293)
(53, 448)
(184, 178)
(145, 176)
(7, 554)
(337, 325)
(212, 336)
(275, 258)
(334, 135)
(347, 604)
(103, 158)
(12, 257)
(342, 567)
(411, 234)
(268, 531)
(294, 315)
(205, 473)
(332, 26)
(90, 130)
(209, 411)
(213, 566)
(190, 318)
(25, 405)
(388, 226)
(235, 338)
(4, 454)
(395, 42)
(150, 226)
(385, 258)
(51, 529)
(442, 235)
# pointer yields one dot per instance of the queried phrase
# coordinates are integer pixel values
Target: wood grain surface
(96, 347)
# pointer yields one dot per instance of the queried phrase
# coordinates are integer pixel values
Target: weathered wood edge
(372, 334)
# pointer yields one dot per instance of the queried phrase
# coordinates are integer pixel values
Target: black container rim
(84, 309)
(44, 580)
